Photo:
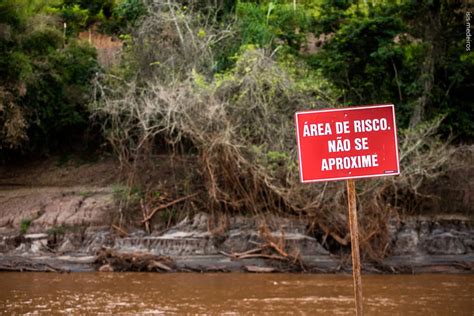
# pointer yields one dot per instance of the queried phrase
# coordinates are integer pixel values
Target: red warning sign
(347, 143)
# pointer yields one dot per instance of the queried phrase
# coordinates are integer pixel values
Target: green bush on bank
(46, 74)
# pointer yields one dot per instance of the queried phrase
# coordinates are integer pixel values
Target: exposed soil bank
(419, 245)
(66, 214)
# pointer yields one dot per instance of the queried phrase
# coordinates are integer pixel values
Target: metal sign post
(346, 144)
(354, 228)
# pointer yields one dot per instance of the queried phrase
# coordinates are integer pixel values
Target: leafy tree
(409, 52)
(112, 17)
(45, 84)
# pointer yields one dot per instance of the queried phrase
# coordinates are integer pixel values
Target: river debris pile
(271, 244)
(25, 264)
(114, 261)
(272, 248)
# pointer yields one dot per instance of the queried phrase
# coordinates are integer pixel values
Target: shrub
(25, 225)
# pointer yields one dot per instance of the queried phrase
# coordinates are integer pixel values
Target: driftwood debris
(257, 269)
(148, 215)
(265, 252)
(24, 264)
(122, 232)
(273, 248)
(106, 268)
(136, 261)
(245, 255)
(157, 264)
(343, 241)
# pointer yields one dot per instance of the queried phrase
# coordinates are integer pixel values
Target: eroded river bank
(65, 219)
(419, 245)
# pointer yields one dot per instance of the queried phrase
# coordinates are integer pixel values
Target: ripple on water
(231, 294)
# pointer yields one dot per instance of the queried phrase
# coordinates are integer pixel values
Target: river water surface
(235, 293)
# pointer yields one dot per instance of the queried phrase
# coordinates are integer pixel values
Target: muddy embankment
(58, 218)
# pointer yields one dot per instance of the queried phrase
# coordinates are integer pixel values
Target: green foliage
(361, 58)
(125, 194)
(25, 225)
(86, 194)
(57, 99)
(57, 230)
(369, 52)
(330, 14)
(277, 26)
(75, 17)
(169, 215)
(113, 17)
(45, 86)
(271, 24)
(275, 161)
(410, 53)
(119, 191)
(404, 53)
(17, 12)
(17, 67)
(125, 14)
(79, 14)
(42, 42)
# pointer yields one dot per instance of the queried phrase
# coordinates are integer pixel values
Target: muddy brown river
(235, 293)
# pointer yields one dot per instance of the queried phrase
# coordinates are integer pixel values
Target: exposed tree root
(162, 207)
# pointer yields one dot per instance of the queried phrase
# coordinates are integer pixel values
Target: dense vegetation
(410, 53)
(220, 81)
(46, 73)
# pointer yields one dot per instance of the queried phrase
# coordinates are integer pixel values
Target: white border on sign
(347, 109)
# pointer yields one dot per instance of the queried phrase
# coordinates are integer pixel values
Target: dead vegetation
(24, 264)
(113, 261)
(240, 126)
(149, 213)
(108, 48)
(13, 121)
(273, 248)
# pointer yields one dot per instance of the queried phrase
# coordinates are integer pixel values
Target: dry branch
(263, 256)
(121, 231)
(343, 241)
(252, 255)
(258, 269)
(161, 207)
(156, 264)
(136, 261)
(145, 215)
